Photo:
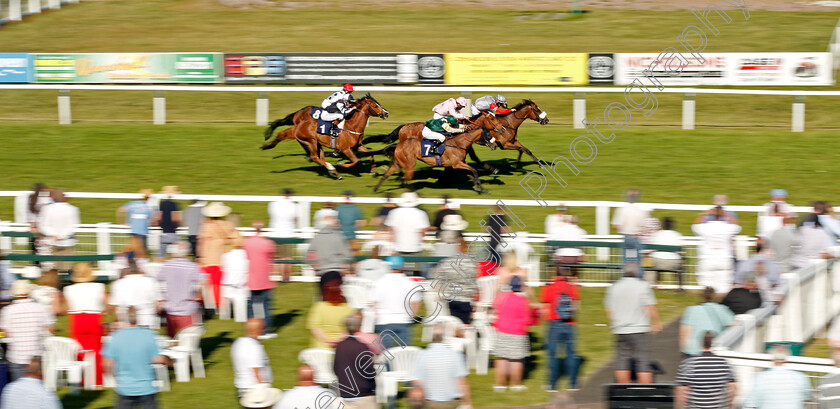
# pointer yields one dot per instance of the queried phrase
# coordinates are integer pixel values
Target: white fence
(578, 105)
(15, 10)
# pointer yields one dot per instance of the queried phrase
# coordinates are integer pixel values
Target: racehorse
(350, 138)
(407, 152)
(527, 109)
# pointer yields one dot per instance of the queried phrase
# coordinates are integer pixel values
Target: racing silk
(338, 102)
(447, 108)
(502, 111)
(445, 124)
(483, 103)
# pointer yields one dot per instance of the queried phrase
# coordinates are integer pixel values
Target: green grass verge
(292, 303)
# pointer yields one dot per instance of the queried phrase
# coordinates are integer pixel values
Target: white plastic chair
(161, 381)
(485, 346)
(402, 361)
(187, 350)
(321, 361)
(433, 302)
(60, 356)
(236, 297)
(359, 293)
(488, 288)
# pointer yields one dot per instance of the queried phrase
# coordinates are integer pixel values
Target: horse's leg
(478, 161)
(372, 161)
(518, 160)
(472, 173)
(320, 160)
(518, 146)
(281, 136)
(408, 174)
(391, 170)
(350, 155)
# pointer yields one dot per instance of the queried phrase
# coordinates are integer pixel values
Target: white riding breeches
(430, 134)
(331, 116)
(437, 116)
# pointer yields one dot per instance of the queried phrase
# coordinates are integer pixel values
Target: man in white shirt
(629, 220)
(138, 291)
(308, 394)
(282, 218)
(408, 225)
(715, 257)
(390, 292)
(57, 222)
(555, 221)
(235, 276)
(250, 362)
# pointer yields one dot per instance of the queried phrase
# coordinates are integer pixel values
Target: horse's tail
(288, 120)
(391, 137)
(387, 151)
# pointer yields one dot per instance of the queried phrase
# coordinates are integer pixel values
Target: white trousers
(716, 273)
(331, 116)
(437, 116)
(430, 134)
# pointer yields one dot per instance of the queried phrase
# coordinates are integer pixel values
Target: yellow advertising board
(516, 69)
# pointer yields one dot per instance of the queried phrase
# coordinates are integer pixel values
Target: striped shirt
(24, 322)
(439, 368)
(829, 387)
(779, 388)
(180, 276)
(28, 393)
(707, 376)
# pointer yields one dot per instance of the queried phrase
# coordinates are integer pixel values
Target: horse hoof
(495, 171)
(334, 153)
(339, 177)
(514, 166)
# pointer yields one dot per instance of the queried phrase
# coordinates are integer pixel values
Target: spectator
(779, 387)
(715, 257)
(722, 201)
(28, 392)
(743, 297)
(814, 242)
(373, 267)
(769, 223)
(216, 235)
(390, 293)
(562, 300)
(650, 226)
(350, 367)
(180, 276)
(137, 214)
(168, 218)
(320, 217)
(25, 324)
(441, 373)
(705, 381)
(448, 208)
(555, 222)
(495, 224)
(459, 275)
(193, 219)
(828, 386)
(631, 307)
(6, 281)
(129, 356)
(328, 250)
(307, 392)
(782, 244)
(350, 218)
(133, 252)
(825, 215)
(761, 263)
(509, 269)
(47, 293)
(235, 274)
(513, 316)
(282, 218)
(250, 362)
(57, 223)
(260, 252)
(136, 290)
(408, 225)
(450, 235)
(262, 396)
(382, 213)
(39, 198)
(326, 318)
(668, 236)
(698, 320)
(86, 303)
(777, 204)
(569, 231)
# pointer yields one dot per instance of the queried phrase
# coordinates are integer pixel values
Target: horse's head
(371, 107)
(488, 122)
(533, 111)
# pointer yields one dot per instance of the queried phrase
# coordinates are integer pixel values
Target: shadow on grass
(81, 400)
(281, 320)
(210, 344)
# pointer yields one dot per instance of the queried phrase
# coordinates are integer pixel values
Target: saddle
(428, 149)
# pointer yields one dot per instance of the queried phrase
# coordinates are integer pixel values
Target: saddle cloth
(426, 148)
(322, 127)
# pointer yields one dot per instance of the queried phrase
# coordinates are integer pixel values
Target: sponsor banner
(516, 69)
(600, 67)
(333, 68)
(739, 69)
(127, 68)
(14, 67)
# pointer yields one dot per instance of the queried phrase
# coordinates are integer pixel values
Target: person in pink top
(451, 106)
(513, 316)
(260, 252)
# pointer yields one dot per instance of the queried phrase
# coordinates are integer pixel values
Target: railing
(13, 10)
(578, 104)
(811, 300)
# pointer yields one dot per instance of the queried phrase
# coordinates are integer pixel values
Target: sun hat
(21, 288)
(82, 273)
(409, 199)
(170, 191)
(453, 222)
(778, 193)
(260, 396)
(395, 261)
(215, 209)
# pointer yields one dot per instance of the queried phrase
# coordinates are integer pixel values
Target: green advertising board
(127, 67)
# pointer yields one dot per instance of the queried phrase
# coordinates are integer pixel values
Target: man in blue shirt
(778, 387)
(29, 392)
(129, 356)
(441, 374)
(136, 214)
(351, 218)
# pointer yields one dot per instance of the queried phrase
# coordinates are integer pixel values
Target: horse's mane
(368, 96)
(474, 117)
(524, 103)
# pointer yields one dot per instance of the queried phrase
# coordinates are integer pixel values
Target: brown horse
(406, 153)
(527, 109)
(350, 138)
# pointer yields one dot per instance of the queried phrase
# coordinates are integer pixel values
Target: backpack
(564, 305)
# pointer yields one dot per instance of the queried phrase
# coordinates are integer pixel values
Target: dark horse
(406, 153)
(350, 138)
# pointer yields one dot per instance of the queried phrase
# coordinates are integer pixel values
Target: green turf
(292, 304)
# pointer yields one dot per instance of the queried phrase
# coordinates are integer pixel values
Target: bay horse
(350, 138)
(406, 153)
(527, 109)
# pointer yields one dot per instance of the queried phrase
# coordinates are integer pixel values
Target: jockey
(487, 103)
(434, 128)
(449, 107)
(337, 106)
